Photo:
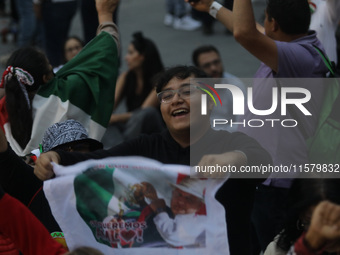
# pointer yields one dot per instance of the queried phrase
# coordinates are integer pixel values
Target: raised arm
(247, 32)
(105, 10)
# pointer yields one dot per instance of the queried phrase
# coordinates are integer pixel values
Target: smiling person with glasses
(185, 92)
(180, 105)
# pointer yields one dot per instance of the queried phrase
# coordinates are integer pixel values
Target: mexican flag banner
(135, 205)
(83, 89)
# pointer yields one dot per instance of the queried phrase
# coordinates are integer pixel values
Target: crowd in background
(137, 105)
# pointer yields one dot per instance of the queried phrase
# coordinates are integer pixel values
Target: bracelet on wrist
(214, 8)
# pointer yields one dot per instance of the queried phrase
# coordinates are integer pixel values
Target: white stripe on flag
(47, 111)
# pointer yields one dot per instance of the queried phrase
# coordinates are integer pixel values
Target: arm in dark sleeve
(256, 154)
(133, 147)
(17, 178)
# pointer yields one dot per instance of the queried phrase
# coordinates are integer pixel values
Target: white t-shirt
(324, 21)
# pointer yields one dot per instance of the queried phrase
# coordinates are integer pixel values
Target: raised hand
(324, 229)
(106, 6)
(201, 5)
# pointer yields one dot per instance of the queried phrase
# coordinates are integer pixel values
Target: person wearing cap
(186, 226)
(17, 177)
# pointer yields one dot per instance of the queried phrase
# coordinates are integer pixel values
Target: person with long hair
(83, 89)
(20, 92)
(303, 198)
(135, 90)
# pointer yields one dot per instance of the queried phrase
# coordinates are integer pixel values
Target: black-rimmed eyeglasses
(184, 92)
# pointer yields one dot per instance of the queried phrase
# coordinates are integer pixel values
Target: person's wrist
(314, 241)
(214, 8)
(104, 17)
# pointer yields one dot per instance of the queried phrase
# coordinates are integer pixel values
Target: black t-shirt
(164, 148)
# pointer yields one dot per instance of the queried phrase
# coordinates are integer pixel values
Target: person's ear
(47, 78)
(275, 26)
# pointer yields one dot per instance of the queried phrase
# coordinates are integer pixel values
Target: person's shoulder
(300, 58)
(303, 42)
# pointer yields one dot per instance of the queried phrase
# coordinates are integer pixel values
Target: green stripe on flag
(88, 81)
(94, 190)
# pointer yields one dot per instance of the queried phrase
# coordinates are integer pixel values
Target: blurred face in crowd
(72, 48)
(211, 63)
(133, 58)
(184, 203)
